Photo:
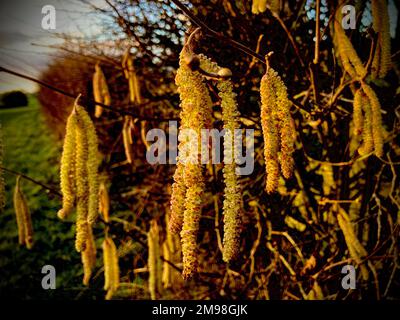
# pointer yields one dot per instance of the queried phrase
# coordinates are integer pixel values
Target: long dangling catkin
(2, 184)
(377, 129)
(104, 202)
(348, 55)
(196, 110)
(171, 254)
(88, 257)
(130, 74)
(67, 170)
(232, 194)
(356, 250)
(381, 24)
(111, 267)
(154, 261)
(367, 145)
(101, 93)
(79, 176)
(127, 139)
(23, 216)
(357, 112)
(277, 129)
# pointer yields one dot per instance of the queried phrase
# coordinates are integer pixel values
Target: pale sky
(22, 37)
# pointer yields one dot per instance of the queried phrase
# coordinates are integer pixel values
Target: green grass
(30, 148)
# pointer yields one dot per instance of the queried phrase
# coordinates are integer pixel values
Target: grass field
(30, 148)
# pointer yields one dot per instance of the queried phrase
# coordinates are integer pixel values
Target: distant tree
(14, 99)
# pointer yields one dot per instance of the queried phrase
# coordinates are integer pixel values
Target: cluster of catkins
(367, 119)
(188, 186)
(278, 129)
(79, 181)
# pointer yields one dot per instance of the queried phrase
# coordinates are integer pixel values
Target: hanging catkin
(79, 177)
(104, 202)
(196, 110)
(348, 55)
(2, 184)
(356, 250)
(127, 139)
(130, 74)
(23, 216)
(154, 261)
(101, 93)
(177, 200)
(88, 257)
(277, 128)
(381, 23)
(111, 267)
(232, 193)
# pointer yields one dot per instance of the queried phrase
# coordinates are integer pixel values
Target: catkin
(154, 261)
(348, 55)
(111, 267)
(356, 250)
(2, 184)
(277, 129)
(79, 176)
(104, 202)
(196, 110)
(381, 23)
(127, 139)
(23, 216)
(100, 90)
(367, 145)
(133, 81)
(177, 200)
(88, 257)
(377, 129)
(357, 112)
(232, 195)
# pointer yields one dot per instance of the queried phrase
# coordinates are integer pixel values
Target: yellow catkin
(127, 139)
(101, 93)
(357, 112)
(133, 81)
(104, 202)
(88, 257)
(367, 137)
(154, 261)
(92, 164)
(232, 195)
(67, 170)
(287, 132)
(82, 185)
(315, 292)
(356, 250)
(79, 176)
(2, 184)
(111, 267)
(348, 55)
(377, 129)
(381, 24)
(270, 127)
(196, 109)
(171, 254)
(23, 216)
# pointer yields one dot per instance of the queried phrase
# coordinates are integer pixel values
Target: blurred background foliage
(290, 239)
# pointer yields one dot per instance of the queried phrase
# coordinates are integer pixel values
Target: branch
(84, 98)
(51, 190)
(208, 31)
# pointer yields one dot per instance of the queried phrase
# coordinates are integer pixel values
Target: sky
(24, 43)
